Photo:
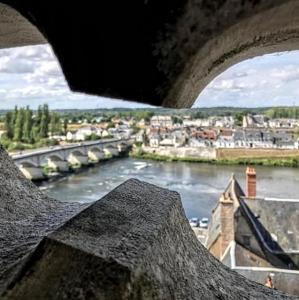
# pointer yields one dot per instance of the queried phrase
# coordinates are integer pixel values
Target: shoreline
(291, 162)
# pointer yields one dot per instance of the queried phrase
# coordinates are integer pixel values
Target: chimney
(250, 182)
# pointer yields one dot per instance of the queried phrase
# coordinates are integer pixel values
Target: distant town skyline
(32, 76)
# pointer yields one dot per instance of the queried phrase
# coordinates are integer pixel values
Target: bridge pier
(32, 172)
(111, 152)
(78, 159)
(58, 165)
(95, 155)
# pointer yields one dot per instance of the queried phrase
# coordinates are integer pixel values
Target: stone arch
(56, 157)
(78, 152)
(16, 30)
(96, 148)
(27, 164)
(272, 30)
(186, 47)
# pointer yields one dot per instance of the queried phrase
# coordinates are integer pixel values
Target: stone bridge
(60, 158)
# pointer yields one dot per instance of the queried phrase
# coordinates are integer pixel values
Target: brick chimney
(250, 182)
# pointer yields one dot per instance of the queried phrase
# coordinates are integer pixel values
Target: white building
(161, 121)
(154, 140)
(84, 132)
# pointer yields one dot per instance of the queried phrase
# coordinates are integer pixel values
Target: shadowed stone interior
(135, 243)
(158, 52)
(26, 215)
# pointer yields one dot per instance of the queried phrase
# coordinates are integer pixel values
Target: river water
(199, 185)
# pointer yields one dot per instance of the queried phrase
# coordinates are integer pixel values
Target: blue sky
(32, 76)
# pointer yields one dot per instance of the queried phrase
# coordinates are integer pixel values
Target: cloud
(262, 81)
(32, 75)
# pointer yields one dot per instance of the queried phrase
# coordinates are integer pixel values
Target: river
(199, 185)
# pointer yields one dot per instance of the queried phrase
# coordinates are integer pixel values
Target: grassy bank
(269, 161)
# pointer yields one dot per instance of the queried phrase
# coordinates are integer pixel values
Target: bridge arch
(28, 164)
(96, 148)
(55, 157)
(77, 152)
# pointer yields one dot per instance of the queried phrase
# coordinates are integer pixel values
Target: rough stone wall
(16, 31)
(26, 215)
(200, 152)
(240, 153)
(135, 243)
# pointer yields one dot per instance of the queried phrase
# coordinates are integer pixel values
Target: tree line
(22, 125)
(280, 112)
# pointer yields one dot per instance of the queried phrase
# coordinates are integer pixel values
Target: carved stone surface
(26, 215)
(135, 243)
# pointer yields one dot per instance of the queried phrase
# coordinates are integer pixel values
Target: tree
(8, 124)
(18, 127)
(239, 118)
(65, 124)
(177, 120)
(37, 124)
(55, 124)
(27, 129)
(44, 123)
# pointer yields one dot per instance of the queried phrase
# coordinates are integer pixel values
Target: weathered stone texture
(135, 243)
(26, 215)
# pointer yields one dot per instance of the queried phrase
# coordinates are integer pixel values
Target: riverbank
(291, 161)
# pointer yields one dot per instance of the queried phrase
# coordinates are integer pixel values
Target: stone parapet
(135, 243)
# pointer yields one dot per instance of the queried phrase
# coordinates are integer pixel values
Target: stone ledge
(135, 243)
(26, 216)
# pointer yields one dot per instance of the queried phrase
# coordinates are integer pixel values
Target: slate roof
(281, 217)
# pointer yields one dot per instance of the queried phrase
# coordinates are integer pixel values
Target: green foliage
(24, 129)
(27, 129)
(177, 120)
(291, 162)
(283, 112)
(55, 124)
(18, 126)
(44, 123)
(65, 124)
(8, 124)
(92, 137)
(238, 116)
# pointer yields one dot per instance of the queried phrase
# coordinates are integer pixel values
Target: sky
(31, 76)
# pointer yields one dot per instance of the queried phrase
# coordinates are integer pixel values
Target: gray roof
(281, 219)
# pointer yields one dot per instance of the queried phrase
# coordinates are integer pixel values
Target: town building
(256, 236)
(161, 121)
(254, 121)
